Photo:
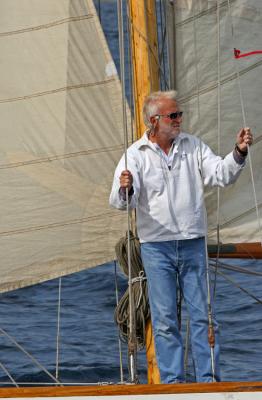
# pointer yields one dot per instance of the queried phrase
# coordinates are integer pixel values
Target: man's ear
(154, 119)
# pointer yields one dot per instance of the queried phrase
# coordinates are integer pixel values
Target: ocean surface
(89, 337)
(89, 349)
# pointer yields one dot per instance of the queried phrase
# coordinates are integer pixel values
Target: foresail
(61, 123)
(198, 84)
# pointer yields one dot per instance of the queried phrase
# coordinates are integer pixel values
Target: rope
(238, 53)
(139, 292)
(244, 121)
(29, 355)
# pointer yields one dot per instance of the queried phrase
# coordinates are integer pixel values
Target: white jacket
(170, 203)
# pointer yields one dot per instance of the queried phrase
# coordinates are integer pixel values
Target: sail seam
(208, 11)
(213, 86)
(58, 224)
(61, 157)
(58, 90)
(47, 26)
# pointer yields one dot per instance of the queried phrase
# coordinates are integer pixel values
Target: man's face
(167, 126)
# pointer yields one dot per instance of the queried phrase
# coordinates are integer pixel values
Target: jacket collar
(144, 141)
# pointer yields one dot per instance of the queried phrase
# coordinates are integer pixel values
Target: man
(166, 172)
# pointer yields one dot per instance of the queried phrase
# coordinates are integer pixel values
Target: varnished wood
(145, 71)
(153, 375)
(114, 390)
(237, 250)
(143, 38)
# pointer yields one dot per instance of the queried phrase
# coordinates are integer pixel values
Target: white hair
(151, 104)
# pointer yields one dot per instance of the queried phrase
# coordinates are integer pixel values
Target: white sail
(61, 136)
(197, 83)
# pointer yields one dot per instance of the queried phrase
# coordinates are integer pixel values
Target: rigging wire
(218, 141)
(9, 375)
(119, 341)
(148, 47)
(235, 268)
(99, 11)
(244, 123)
(132, 338)
(211, 335)
(238, 286)
(58, 327)
(130, 70)
(37, 363)
(161, 53)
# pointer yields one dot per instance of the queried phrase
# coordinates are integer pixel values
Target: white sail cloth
(61, 136)
(197, 84)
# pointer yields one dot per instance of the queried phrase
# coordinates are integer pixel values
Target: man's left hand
(244, 138)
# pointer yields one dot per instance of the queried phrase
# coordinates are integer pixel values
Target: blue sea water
(89, 337)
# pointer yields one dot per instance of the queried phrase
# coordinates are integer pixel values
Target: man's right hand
(126, 180)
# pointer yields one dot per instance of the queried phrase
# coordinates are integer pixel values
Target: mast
(145, 67)
(146, 79)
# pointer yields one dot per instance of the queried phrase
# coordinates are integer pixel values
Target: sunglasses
(173, 115)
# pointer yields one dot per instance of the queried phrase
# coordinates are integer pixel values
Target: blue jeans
(163, 263)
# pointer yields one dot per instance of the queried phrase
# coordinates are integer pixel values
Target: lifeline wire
(244, 123)
(132, 339)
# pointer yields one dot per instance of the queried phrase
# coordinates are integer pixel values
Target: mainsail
(208, 83)
(61, 122)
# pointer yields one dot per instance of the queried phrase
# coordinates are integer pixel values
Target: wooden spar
(143, 38)
(236, 250)
(146, 79)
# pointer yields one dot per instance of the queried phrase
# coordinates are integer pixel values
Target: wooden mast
(143, 39)
(146, 79)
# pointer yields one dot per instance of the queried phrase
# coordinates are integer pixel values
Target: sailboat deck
(134, 390)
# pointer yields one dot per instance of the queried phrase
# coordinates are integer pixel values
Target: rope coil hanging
(139, 291)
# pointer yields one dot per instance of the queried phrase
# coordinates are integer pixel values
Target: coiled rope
(139, 291)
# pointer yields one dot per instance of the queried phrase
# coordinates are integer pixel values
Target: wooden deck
(126, 390)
